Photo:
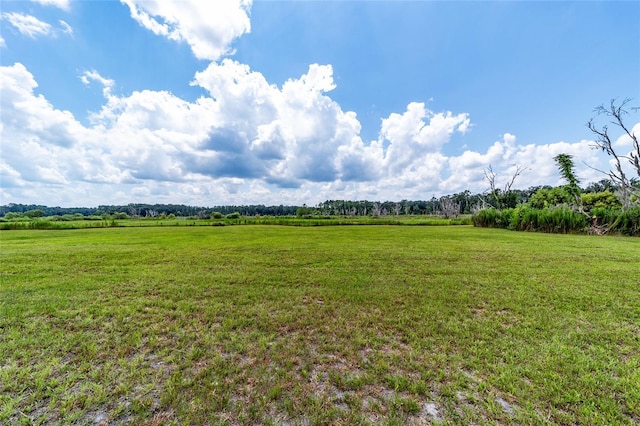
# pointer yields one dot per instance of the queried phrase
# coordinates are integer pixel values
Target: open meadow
(318, 325)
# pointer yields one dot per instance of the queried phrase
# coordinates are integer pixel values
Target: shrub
(525, 218)
(14, 216)
(234, 215)
(600, 199)
(625, 222)
(216, 215)
(34, 213)
(485, 218)
(546, 197)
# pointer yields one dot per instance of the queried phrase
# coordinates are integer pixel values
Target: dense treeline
(448, 206)
(148, 210)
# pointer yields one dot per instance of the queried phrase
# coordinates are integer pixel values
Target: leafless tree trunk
(133, 211)
(495, 193)
(449, 208)
(377, 209)
(603, 142)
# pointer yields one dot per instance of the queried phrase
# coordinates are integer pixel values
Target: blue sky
(242, 102)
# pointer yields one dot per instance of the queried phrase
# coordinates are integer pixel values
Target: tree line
(447, 206)
(597, 203)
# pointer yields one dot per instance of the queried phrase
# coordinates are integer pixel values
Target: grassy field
(318, 325)
(49, 223)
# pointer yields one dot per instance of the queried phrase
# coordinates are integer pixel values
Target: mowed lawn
(318, 325)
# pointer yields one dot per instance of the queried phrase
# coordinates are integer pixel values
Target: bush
(14, 216)
(604, 199)
(625, 222)
(34, 213)
(216, 215)
(485, 218)
(234, 215)
(525, 218)
(547, 198)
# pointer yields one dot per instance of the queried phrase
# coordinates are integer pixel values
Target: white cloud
(28, 25)
(293, 133)
(625, 140)
(2, 42)
(62, 4)
(209, 27)
(248, 142)
(66, 28)
(32, 27)
(409, 137)
(107, 84)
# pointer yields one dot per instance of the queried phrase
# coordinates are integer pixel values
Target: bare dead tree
(407, 208)
(500, 196)
(133, 210)
(603, 142)
(377, 209)
(397, 207)
(449, 208)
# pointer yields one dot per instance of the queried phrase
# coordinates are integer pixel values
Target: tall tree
(616, 115)
(567, 170)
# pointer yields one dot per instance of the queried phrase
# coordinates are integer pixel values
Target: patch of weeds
(347, 381)
(398, 383)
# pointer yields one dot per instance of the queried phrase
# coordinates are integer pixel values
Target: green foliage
(562, 220)
(551, 197)
(601, 186)
(14, 216)
(605, 199)
(619, 221)
(216, 215)
(34, 213)
(304, 211)
(567, 170)
(504, 199)
(234, 215)
(525, 218)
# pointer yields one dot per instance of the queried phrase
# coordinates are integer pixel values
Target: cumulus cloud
(294, 131)
(28, 25)
(208, 27)
(409, 136)
(107, 84)
(247, 141)
(32, 115)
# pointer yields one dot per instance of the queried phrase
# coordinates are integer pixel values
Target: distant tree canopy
(461, 203)
(449, 205)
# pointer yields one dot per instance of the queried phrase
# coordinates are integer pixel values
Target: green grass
(50, 223)
(318, 325)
